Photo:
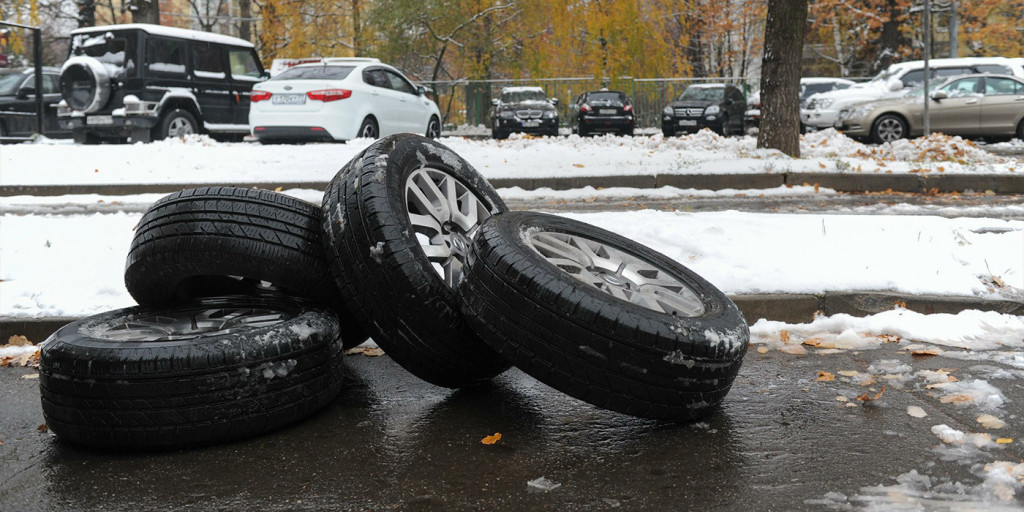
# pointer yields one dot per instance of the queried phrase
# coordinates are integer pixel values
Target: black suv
(151, 82)
(602, 111)
(18, 99)
(523, 109)
(716, 106)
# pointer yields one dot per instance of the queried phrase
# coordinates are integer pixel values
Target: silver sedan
(968, 105)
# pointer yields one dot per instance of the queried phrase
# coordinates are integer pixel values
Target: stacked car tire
(249, 298)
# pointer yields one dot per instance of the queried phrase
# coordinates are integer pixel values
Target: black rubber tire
(382, 273)
(433, 128)
(1020, 130)
(668, 132)
(80, 136)
(876, 135)
(163, 128)
(199, 242)
(189, 390)
(590, 345)
(369, 128)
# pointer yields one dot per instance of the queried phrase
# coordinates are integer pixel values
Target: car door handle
(970, 102)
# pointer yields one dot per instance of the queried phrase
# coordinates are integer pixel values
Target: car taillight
(329, 94)
(259, 96)
(585, 108)
(628, 108)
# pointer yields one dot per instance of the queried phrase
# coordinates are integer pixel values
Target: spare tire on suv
(84, 84)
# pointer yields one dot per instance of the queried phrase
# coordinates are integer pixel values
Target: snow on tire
(602, 318)
(214, 241)
(398, 220)
(207, 371)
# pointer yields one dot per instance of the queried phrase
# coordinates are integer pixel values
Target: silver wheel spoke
(445, 215)
(187, 323)
(617, 272)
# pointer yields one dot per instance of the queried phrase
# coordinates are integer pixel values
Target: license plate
(288, 99)
(99, 120)
(531, 124)
(687, 122)
(607, 111)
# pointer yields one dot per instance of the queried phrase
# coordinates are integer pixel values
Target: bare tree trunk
(145, 11)
(785, 25)
(244, 22)
(357, 28)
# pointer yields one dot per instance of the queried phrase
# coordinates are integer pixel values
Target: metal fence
(469, 102)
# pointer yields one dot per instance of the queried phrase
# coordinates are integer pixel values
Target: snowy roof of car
(160, 30)
(521, 89)
(708, 86)
(825, 80)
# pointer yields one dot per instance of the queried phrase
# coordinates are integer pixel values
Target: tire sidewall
(721, 315)
(165, 122)
(878, 137)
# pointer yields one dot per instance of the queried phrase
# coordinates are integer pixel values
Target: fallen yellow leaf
(366, 351)
(866, 398)
(491, 439)
(825, 377)
(1004, 440)
(577, 165)
(784, 336)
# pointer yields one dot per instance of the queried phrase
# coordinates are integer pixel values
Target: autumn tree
(780, 76)
(991, 27)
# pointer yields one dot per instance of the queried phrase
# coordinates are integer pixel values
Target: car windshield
(883, 76)
(703, 93)
(315, 73)
(606, 96)
(518, 95)
(9, 83)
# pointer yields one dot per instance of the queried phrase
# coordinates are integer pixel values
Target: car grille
(689, 112)
(529, 114)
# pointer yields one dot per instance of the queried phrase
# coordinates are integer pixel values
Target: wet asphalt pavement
(781, 441)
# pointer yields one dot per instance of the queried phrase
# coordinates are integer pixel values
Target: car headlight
(667, 111)
(858, 112)
(713, 109)
(506, 114)
(549, 114)
(823, 103)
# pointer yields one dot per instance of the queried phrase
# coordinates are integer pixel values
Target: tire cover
(594, 346)
(384, 276)
(264, 363)
(84, 84)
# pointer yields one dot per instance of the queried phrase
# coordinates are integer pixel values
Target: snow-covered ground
(199, 159)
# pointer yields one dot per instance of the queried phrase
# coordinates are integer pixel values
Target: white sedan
(338, 99)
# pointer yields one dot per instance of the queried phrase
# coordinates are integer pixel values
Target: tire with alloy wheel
(398, 221)
(433, 128)
(212, 241)
(369, 129)
(888, 128)
(213, 370)
(602, 318)
(177, 123)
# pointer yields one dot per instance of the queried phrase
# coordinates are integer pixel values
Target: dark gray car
(716, 106)
(18, 102)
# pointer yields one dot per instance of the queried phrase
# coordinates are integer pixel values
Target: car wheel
(582, 131)
(398, 221)
(1020, 130)
(602, 318)
(214, 370)
(433, 128)
(369, 129)
(628, 132)
(888, 128)
(226, 240)
(668, 132)
(724, 130)
(177, 123)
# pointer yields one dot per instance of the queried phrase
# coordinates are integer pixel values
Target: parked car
(340, 99)
(808, 87)
(602, 111)
(979, 105)
(18, 97)
(716, 106)
(151, 82)
(822, 109)
(525, 110)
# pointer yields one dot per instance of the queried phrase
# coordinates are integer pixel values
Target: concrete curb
(789, 308)
(842, 182)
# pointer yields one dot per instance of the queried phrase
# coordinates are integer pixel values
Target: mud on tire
(212, 370)
(403, 197)
(601, 318)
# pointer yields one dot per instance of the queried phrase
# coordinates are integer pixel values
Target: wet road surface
(782, 441)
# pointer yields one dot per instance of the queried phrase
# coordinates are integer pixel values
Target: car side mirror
(939, 95)
(266, 74)
(25, 92)
(896, 85)
(554, 101)
(420, 90)
(494, 102)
